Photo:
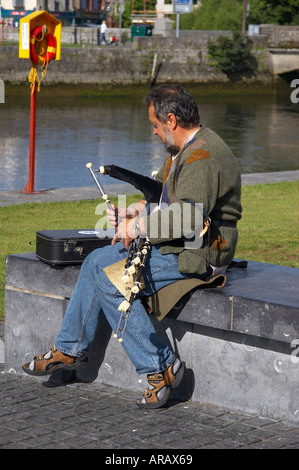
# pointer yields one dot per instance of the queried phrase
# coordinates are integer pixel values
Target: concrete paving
(98, 416)
(8, 198)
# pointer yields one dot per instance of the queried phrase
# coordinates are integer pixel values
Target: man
(200, 172)
(103, 30)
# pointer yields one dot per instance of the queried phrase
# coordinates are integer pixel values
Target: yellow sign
(29, 23)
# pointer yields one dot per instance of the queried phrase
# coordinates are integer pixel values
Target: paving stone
(108, 421)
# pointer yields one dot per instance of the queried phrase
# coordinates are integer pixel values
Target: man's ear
(172, 121)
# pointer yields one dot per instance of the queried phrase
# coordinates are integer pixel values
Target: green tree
(226, 15)
(138, 5)
(233, 55)
(274, 11)
(221, 15)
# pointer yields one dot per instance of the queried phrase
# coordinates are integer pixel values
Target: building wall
(25, 4)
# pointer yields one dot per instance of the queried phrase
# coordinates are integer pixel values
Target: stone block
(32, 322)
(241, 377)
(25, 271)
(237, 341)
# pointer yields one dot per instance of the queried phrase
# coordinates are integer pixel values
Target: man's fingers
(111, 214)
(114, 239)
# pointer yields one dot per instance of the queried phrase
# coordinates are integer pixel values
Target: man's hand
(125, 232)
(123, 219)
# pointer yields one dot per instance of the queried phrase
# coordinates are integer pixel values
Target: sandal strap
(56, 357)
(39, 357)
(150, 396)
(167, 377)
(155, 379)
(158, 381)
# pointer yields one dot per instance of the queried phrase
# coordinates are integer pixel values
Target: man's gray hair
(176, 100)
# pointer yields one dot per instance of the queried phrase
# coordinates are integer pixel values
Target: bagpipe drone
(139, 247)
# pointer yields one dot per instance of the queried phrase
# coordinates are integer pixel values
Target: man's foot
(162, 385)
(46, 364)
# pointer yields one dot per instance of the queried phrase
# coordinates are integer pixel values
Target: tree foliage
(274, 12)
(226, 15)
(216, 15)
(138, 5)
(233, 55)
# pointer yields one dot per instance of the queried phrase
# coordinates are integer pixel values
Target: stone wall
(280, 36)
(270, 35)
(182, 59)
(239, 342)
(70, 35)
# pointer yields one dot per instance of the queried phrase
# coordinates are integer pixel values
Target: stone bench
(239, 342)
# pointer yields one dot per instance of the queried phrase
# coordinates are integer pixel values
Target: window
(18, 3)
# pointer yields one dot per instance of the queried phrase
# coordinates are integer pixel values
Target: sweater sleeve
(160, 174)
(195, 191)
(205, 178)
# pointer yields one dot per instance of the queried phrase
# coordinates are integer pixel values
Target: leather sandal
(163, 383)
(46, 364)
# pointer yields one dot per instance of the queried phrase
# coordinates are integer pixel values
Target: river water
(262, 131)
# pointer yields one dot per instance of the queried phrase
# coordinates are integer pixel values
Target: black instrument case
(64, 247)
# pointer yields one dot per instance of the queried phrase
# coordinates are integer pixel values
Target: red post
(30, 185)
(3, 23)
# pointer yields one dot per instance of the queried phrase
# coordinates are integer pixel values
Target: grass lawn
(268, 230)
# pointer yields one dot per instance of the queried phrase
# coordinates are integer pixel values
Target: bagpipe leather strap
(162, 301)
(166, 298)
(115, 274)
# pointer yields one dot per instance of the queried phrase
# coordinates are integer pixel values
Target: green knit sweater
(204, 175)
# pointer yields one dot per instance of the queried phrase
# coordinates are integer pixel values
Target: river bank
(138, 64)
(108, 124)
(64, 93)
(157, 58)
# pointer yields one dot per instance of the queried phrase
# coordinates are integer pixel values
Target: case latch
(69, 246)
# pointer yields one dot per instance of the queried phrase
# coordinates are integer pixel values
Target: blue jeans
(102, 38)
(95, 295)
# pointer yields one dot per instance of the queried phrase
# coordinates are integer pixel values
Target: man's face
(163, 131)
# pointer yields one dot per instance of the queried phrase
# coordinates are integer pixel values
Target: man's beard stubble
(169, 143)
